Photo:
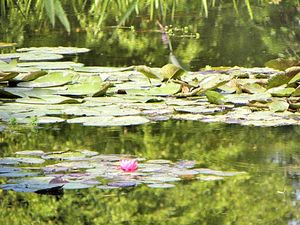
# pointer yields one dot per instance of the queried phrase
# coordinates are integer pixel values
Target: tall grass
(98, 13)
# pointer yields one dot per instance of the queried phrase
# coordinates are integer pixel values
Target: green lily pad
(149, 72)
(65, 156)
(295, 79)
(55, 50)
(281, 91)
(51, 80)
(49, 120)
(51, 65)
(278, 80)
(31, 56)
(215, 97)
(161, 185)
(253, 88)
(171, 71)
(7, 76)
(198, 109)
(92, 87)
(13, 161)
(213, 81)
(75, 186)
(278, 106)
(281, 64)
(28, 92)
(9, 169)
(31, 152)
(48, 100)
(30, 76)
(164, 90)
(106, 121)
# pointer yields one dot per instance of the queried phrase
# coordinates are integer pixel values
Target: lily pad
(281, 91)
(48, 100)
(31, 152)
(9, 170)
(161, 185)
(55, 50)
(164, 90)
(110, 121)
(51, 65)
(65, 156)
(53, 79)
(278, 80)
(76, 185)
(123, 184)
(278, 106)
(13, 161)
(30, 76)
(215, 97)
(31, 56)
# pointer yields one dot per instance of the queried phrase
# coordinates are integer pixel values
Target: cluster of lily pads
(51, 172)
(66, 91)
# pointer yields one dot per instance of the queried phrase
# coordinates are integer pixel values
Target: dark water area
(225, 38)
(268, 194)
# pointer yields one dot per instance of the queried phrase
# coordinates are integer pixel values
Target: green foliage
(239, 200)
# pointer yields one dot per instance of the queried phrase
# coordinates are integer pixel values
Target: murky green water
(266, 195)
(270, 156)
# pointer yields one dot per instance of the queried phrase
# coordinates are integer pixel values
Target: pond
(245, 174)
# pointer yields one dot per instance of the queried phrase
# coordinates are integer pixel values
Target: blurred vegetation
(237, 32)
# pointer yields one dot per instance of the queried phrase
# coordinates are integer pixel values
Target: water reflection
(266, 195)
(226, 38)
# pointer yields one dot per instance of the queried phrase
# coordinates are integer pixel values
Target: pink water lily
(128, 165)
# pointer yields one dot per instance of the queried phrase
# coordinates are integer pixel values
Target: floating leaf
(30, 76)
(278, 106)
(110, 121)
(161, 185)
(278, 80)
(51, 80)
(9, 170)
(31, 56)
(76, 185)
(51, 65)
(55, 50)
(164, 90)
(13, 161)
(7, 76)
(65, 156)
(215, 97)
(253, 88)
(170, 71)
(281, 91)
(148, 72)
(123, 184)
(48, 100)
(49, 120)
(281, 64)
(31, 152)
(295, 79)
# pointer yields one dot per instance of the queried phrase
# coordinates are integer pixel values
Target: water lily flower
(128, 165)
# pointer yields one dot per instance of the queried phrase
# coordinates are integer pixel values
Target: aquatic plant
(128, 165)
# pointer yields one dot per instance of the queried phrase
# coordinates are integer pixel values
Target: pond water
(268, 193)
